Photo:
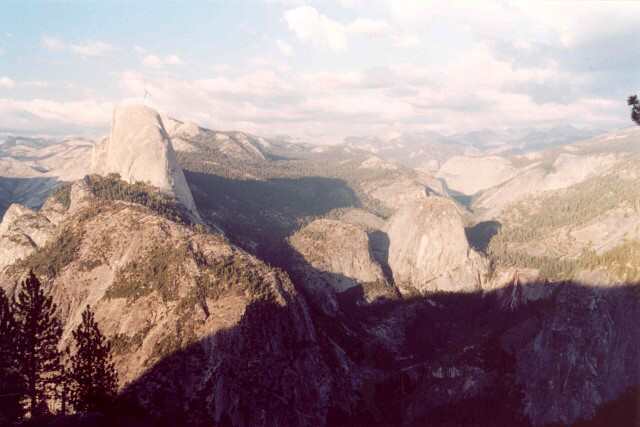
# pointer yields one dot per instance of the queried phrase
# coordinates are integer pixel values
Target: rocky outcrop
(139, 149)
(335, 257)
(396, 192)
(428, 249)
(22, 230)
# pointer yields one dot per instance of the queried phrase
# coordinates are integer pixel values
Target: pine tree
(93, 375)
(38, 335)
(634, 103)
(11, 390)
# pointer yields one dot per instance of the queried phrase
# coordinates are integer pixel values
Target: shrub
(51, 259)
(158, 270)
(62, 195)
(111, 187)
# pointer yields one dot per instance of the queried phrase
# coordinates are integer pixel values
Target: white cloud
(406, 40)
(285, 48)
(46, 115)
(2, 51)
(156, 61)
(53, 43)
(311, 26)
(35, 83)
(369, 27)
(92, 48)
(6, 82)
(325, 106)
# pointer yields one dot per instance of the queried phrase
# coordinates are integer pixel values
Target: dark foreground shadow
(558, 354)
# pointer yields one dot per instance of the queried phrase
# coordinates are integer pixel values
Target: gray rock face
(584, 352)
(428, 249)
(22, 230)
(139, 149)
(335, 257)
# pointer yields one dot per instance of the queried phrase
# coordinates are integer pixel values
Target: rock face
(428, 249)
(22, 230)
(580, 351)
(336, 257)
(139, 149)
(397, 192)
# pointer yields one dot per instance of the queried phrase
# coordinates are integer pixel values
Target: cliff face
(22, 230)
(581, 351)
(428, 249)
(139, 149)
(335, 257)
(190, 317)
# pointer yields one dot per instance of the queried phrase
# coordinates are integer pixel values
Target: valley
(254, 281)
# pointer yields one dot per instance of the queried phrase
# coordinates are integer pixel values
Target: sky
(319, 71)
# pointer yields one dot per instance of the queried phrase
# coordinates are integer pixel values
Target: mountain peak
(140, 149)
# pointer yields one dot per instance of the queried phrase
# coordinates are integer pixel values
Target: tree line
(35, 384)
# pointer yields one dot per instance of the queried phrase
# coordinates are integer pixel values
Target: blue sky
(319, 70)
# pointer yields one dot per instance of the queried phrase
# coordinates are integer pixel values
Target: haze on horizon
(319, 71)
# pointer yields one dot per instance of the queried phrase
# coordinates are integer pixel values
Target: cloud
(369, 27)
(6, 82)
(285, 48)
(311, 26)
(93, 48)
(406, 40)
(53, 43)
(42, 115)
(156, 61)
(326, 106)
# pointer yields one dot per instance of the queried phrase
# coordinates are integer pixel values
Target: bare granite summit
(139, 149)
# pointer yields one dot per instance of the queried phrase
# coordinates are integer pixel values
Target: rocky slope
(169, 297)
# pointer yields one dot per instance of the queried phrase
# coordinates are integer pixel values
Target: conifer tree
(38, 335)
(634, 103)
(11, 390)
(93, 375)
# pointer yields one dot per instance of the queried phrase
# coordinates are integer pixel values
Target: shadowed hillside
(462, 363)
(259, 214)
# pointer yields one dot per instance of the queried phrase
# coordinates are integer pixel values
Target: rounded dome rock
(139, 149)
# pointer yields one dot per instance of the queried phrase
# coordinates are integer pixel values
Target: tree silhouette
(11, 390)
(634, 103)
(93, 376)
(38, 335)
